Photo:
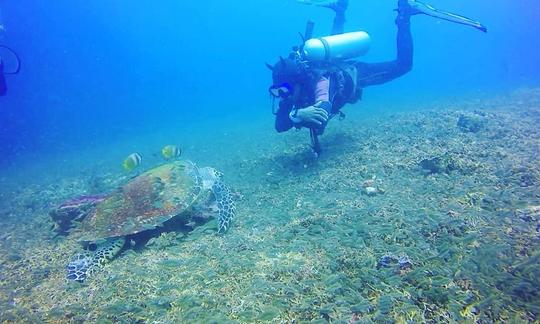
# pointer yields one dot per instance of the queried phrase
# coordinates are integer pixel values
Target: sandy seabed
(454, 190)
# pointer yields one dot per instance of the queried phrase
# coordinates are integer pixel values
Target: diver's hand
(313, 115)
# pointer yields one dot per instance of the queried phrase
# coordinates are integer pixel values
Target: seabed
(455, 189)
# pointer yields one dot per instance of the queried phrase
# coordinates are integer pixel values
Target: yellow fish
(132, 161)
(170, 152)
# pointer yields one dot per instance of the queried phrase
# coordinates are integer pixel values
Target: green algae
(171, 263)
(362, 307)
(269, 314)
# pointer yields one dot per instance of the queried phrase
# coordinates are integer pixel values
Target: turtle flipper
(226, 204)
(83, 264)
(80, 266)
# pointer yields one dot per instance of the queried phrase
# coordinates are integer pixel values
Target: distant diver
(13, 69)
(318, 78)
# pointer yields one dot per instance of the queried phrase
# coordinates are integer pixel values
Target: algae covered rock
(73, 210)
(471, 123)
(439, 164)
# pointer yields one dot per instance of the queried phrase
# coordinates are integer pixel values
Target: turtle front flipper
(83, 264)
(226, 205)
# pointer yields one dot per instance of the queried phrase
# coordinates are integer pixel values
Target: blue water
(96, 70)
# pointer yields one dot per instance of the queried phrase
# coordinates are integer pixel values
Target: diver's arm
(322, 94)
(320, 111)
(283, 121)
(288, 116)
(311, 115)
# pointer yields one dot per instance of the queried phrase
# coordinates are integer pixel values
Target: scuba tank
(336, 47)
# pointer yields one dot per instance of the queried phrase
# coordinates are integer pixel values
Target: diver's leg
(339, 7)
(338, 26)
(404, 42)
(3, 86)
(377, 73)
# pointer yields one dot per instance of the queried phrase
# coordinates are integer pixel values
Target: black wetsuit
(343, 89)
(3, 87)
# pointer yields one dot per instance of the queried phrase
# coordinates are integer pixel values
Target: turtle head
(210, 176)
(218, 175)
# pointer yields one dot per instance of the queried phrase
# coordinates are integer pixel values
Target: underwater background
(98, 72)
(103, 79)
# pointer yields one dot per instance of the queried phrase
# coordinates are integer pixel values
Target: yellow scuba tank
(335, 47)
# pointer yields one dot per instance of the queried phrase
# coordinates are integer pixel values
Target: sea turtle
(178, 190)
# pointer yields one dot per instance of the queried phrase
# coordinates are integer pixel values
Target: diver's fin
(339, 6)
(417, 7)
(85, 263)
(226, 205)
(4, 50)
(336, 5)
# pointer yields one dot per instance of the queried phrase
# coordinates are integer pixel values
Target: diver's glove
(317, 114)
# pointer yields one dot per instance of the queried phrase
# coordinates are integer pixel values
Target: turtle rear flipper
(226, 205)
(83, 264)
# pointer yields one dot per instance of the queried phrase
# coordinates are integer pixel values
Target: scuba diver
(7, 55)
(318, 78)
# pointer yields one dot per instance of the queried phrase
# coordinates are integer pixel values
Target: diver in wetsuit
(3, 70)
(3, 87)
(311, 94)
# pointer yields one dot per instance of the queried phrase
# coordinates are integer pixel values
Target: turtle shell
(144, 203)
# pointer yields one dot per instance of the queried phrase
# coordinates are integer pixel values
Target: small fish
(170, 152)
(132, 161)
